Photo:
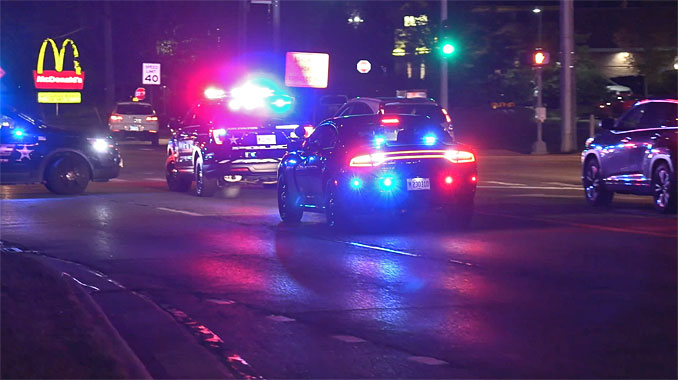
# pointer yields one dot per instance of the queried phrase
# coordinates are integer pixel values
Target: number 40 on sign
(151, 73)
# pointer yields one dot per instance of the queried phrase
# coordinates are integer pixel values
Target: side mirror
(607, 123)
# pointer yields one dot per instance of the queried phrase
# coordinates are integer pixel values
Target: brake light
(151, 118)
(219, 136)
(390, 121)
(447, 116)
(459, 156)
(368, 160)
(116, 118)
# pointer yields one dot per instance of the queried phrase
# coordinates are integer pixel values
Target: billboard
(307, 69)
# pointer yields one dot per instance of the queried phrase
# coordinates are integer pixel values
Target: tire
(68, 175)
(204, 187)
(176, 181)
(288, 202)
(460, 214)
(594, 188)
(663, 189)
(334, 210)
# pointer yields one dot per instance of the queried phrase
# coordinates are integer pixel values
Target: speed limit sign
(150, 73)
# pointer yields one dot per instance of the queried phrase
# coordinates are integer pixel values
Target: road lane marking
(525, 187)
(389, 250)
(220, 302)
(381, 249)
(505, 183)
(280, 318)
(349, 339)
(565, 184)
(582, 225)
(427, 360)
(541, 195)
(80, 282)
(179, 211)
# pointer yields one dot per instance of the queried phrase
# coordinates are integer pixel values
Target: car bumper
(256, 170)
(136, 135)
(106, 166)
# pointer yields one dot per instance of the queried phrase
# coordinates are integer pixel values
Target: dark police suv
(635, 155)
(64, 160)
(377, 163)
(229, 137)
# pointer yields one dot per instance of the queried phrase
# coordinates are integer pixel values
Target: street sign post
(150, 74)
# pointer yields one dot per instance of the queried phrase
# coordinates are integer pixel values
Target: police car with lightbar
(377, 163)
(65, 161)
(231, 136)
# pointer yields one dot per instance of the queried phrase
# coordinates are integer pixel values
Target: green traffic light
(448, 49)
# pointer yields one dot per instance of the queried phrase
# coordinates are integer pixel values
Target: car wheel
(334, 210)
(663, 189)
(176, 181)
(288, 202)
(460, 214)
(204, 186)
(594, 188)
(68, 175)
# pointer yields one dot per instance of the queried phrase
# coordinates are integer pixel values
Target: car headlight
(99, 145)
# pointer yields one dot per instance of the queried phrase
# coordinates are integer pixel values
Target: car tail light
(390, 121)
(152, 131)
(459, 156)
(474, 179)
(219, 136)
(449, 180)
(116, 118)
(151, 118)
(367, 160)
(447, 116)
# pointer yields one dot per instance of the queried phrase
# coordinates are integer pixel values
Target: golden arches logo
(59, 79)
(59, 55)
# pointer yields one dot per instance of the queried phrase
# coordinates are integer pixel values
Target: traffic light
(445, 40)
(540, 58)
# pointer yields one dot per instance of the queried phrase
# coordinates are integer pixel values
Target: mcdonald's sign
(58, 79)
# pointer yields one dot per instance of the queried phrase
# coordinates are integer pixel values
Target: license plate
(133, 127)
(266, 139)
(418, 184)
(137, 120)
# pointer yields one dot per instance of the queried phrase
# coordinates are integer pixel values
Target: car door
(20, 149)
(617, 144)
(309, 171)
(186, 136)
(657, 119)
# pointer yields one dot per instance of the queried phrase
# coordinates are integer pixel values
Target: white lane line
(80, 282)
(348, 338)
(427, 360)
(531, 187)
(178, 211)
(280, 318)
(582, 225)
(137, 180)
(381, 249)
(564, 184)
(505, 183)
(539, 195)
(220, 302)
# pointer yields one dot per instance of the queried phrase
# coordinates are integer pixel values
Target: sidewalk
(52, 329)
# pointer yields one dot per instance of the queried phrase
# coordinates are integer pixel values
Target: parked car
(65, 161)
(634, 155)
(134, 120)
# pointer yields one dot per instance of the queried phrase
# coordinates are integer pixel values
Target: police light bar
(214, 93)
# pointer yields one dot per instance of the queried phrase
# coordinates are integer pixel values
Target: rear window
(432, 111)
(134, 109)
(410, 130)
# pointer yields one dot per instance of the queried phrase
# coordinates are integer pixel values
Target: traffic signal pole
(443, 62)
(539, 147)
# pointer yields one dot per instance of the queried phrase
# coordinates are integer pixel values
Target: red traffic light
(540, 58)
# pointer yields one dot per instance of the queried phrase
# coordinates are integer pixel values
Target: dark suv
(65, 161)
(635, 155)
(226, 139)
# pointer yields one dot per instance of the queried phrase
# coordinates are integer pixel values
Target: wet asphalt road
(540, 286)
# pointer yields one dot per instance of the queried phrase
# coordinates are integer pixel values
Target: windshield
(135, 109)
(431, 110)
(408, 130)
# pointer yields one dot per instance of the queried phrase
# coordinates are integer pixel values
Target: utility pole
(567, 84)
(276, 25)
(108, 56)
(443, 62)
